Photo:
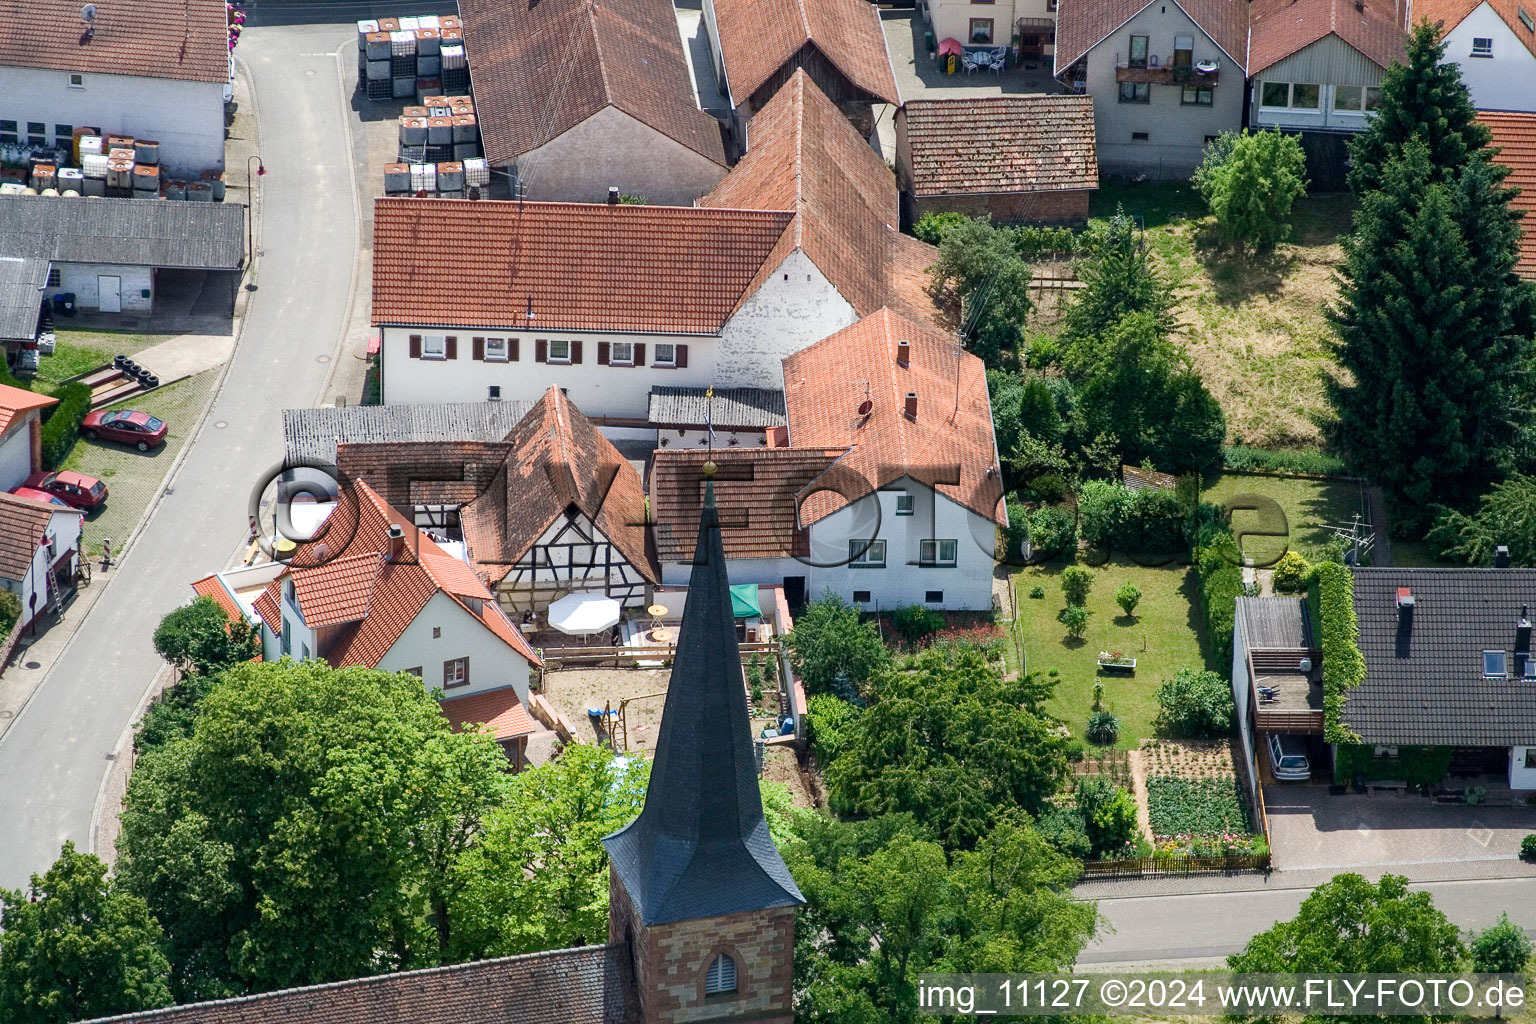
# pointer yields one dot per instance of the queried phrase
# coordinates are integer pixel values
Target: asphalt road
(1192, 931)
(54, 756)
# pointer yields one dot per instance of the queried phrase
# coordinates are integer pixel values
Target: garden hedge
(61, 429)
(1260, 460)
(1221, 584)
(1417, 766)
(1343, 664)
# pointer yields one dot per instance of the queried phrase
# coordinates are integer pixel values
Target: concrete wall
(492, 665)
(1176, 134)
(186, 118)
(794, 308)
(1327, 63)
(1521, 776)
(1505, 81)
(82, 279)
(1240, 697)
(611, 148)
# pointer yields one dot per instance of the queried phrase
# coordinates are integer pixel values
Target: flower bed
(1190, 808)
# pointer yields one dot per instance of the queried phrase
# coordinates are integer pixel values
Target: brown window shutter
(415, 346)
(451, 347)
(477, 348)
(512, 350)
(639, 354)
(540, 350)
(682, 355)
(466, 670)
(602, 353)
(575, 352)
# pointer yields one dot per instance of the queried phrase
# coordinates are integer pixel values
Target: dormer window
(721, 977)
(1494, 665)
(288, 592)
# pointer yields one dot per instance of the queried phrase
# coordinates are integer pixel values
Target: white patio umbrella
(579, 614)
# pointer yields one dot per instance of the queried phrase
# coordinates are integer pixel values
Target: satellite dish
(865, 406)
(88, 13)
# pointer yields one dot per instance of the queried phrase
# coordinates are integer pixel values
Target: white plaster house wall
(186, 118)
(1522, 767)
(16, 455)
(611, 148)
(1507, 79)
(794, 308)
(492, 664)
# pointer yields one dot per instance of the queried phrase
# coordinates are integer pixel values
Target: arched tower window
(721, 976)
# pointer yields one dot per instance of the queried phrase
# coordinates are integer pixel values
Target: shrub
(1106, 510)
(1076, 582)
(1528, 847)
(1034, 241)
(1292, 573)
(1262, 460)
(62, 428)
(10, 611)
(915, 622)
(1250, 181)
(932, 227)
(1103, 728)
(828, 720)
(832, 649)
(1343, 664)
(1116, 517)
(1037, 592)
(1128, 597)
(1196, 704)
(1063, 828)
(1075, 618)
(1108, 813)
(1052, 534)
(1221, 583)
(1075, 751)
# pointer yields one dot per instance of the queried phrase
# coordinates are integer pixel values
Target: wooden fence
(1134, 866)
(621, 657)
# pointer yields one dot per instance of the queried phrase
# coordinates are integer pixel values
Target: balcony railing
(1157, 72)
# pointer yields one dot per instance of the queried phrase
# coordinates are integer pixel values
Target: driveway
(55, 755)
(1310, 829)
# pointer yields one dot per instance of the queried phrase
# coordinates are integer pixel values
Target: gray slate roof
(583, 985)
(700, 847)
(131, 232)
(734, 407)
(1430, 689)
(21, 296)
(312, 434)
(1276, 623)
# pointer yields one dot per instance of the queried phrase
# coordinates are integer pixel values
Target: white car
(1288, 758)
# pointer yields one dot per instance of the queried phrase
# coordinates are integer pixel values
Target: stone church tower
(697, 889)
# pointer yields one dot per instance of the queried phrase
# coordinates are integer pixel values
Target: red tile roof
(1083, 24)
(588, 266)
(558, 461)
(1281, 28)
(1000, 144)
(212, 586)
(268, 610)
(338, 591)
(23, 525)
(758, 37)
(1450, 13)
(15, 401)
(1514, 135)
(539, 67)
(182, 39)
(399, 590)
(825, 384)
(803, 155)
(755, 490)
(498, 710)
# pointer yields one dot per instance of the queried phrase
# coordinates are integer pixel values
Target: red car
(76, 489)
(139, 429)
(33, 494)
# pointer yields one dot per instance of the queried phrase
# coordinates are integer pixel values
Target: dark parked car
(139, 429)
(77, 489)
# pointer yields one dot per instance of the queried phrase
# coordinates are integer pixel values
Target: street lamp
(250, 194)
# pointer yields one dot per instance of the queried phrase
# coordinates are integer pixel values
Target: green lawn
(1163, 637)
(1308, 505)
(78, 351)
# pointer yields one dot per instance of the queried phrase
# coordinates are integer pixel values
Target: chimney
(1404, 610)
(911, 409)
(903, 354)
(1501, 557)
(778, 437)
(613, 195)
(396, 542)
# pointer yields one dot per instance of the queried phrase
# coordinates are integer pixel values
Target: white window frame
(460, 676)
(1273, 106)
(496, 350)
(665, 354)
(1357, 91)
(906, 505)
(932, 553)
(1298, 85)
(628, 356)
(434, 346)
(1482, 46)
(721, 979)
(560, 360)
(76, 80)
(1198, 90)
(866, 554)
(1502, 659)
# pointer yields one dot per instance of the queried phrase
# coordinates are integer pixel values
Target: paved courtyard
(918, 77)
(1311, 829)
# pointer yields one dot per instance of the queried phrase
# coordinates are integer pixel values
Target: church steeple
(700, 848)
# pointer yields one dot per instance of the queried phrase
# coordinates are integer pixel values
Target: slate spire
(700, 847)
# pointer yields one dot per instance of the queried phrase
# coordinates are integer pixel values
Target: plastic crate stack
(411, 58)
(439, 151)
(96, 164)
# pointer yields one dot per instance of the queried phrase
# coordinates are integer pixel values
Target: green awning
(744, 601)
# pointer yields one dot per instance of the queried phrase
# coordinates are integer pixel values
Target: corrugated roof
(1276, 623)
(758, 37)
(1281, 28)
(130, 232)
(22, 280)
(23, 525)
(313, 434)
(1083, 24)
(582, 985)
(1000, 144)
(181, 39)
(588, 266)
(539, 67)
(1514, 135)
(1427, 687)
(15, 401)
(732, 407)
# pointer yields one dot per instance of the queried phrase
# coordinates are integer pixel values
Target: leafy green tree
(1035, 418)
(1501, 948)
(538, 879)
(952, 743)
(885, 904)
(1437, 400)
(1505, 515)
(1128, 597)
(77, 946)
(1108, 812)
(303, 832)
(980, 262)
(200, 638)
(1075, 618)
(1118, 280)
(1251, 186)
(829, 644)
(1195, 703)
(1076, 582)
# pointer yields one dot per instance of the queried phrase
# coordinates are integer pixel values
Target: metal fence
(1134, 866)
